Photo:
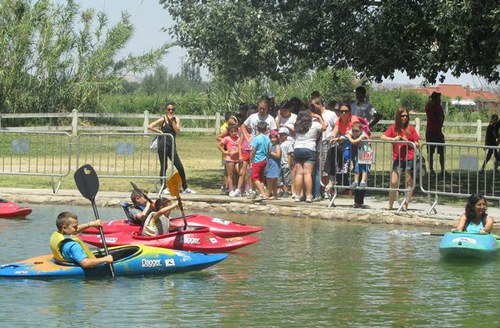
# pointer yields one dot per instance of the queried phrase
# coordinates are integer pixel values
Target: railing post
(146, 121)
(478, 130)
(217, 123)
(74, 122)
(417, 125)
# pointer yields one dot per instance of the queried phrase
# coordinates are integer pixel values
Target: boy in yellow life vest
(67, 248)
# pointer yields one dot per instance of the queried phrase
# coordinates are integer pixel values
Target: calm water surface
(302, 273)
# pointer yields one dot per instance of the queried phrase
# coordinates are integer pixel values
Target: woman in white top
(307, 132)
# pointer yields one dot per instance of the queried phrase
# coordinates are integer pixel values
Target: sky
(149, 17)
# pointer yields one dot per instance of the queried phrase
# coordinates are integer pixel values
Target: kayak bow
(469, 245)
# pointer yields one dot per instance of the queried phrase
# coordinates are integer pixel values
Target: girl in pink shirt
(231, 154)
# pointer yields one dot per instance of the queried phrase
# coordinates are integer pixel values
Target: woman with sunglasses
(402, 153)
(169, 124)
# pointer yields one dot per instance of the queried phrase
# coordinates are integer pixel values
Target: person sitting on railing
(475, 219)
(402, 154)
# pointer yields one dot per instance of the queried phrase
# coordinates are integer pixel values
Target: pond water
(303, 273)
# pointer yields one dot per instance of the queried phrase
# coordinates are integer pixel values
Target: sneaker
(285, 194)
(309, 199)
(362, 185)
(354, 185)
(189, 191)
(252, 194)
(165, 191)
(329, 186)
(296, 199)
(235, 193)
(223, 190)
(261, 198)
(318, 199)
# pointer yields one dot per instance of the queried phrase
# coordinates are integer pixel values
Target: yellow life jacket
(57, 239)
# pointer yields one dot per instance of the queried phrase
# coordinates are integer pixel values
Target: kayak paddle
(442, 234)
(432, 234)
(88, 184)
(174, 184)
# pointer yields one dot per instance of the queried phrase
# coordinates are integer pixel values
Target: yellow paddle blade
(174, 184)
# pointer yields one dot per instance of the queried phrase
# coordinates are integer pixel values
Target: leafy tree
(53, 57)
(247, 39)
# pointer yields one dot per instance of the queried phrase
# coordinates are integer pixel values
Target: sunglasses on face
(344, 111)
(355, 130)
(170, 109)
(404, 116)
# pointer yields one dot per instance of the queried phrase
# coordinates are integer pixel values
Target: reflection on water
(303, 272)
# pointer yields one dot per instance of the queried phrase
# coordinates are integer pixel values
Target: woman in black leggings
(169, 124)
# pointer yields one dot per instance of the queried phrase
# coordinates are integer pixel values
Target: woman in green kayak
(475, 219)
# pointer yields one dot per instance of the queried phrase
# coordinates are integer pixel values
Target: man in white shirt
(261, 115)
(363, 109)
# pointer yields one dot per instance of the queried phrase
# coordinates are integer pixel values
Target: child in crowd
(273, 169)
(354, 142)
(244, 163)
(286, 145)
(229, 147)
(258, 156)
(230, 119)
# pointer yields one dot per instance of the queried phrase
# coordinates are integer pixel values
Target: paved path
(372, 213)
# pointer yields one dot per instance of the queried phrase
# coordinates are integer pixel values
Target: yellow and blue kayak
(469, 245)
(129, 260)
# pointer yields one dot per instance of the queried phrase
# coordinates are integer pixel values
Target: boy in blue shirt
(67, 248)
(258, 157)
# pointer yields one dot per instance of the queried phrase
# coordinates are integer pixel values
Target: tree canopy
(247, 39)
(54, 57)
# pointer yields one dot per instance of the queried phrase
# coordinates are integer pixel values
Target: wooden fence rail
(196, 123)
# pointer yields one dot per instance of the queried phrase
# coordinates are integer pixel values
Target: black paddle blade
(87, 182)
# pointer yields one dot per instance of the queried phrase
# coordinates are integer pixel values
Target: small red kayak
(219, 227)
(197, 240)
(10, 210)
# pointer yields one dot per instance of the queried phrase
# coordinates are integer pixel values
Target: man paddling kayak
(67, 248)
(475, 219)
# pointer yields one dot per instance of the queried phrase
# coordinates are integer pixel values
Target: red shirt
(406, 153)
(344, 127)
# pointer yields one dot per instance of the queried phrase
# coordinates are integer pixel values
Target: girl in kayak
(153, 217)
(67, 248)
(158, 223)
(475, 219)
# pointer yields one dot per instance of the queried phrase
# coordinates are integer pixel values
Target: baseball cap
(284, 130)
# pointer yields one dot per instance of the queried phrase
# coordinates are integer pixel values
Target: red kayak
(197, 240)
(10, 210)
(220, 227)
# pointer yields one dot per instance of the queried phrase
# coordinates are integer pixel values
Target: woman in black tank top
(169, 124)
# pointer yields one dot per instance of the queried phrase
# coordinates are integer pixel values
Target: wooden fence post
(74, 122)
(478, 130)
(417, 125)
(146, 121)
(217, 123)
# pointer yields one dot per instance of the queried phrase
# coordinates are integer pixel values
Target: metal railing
(36, 154)
(462, 174)
(380, 169)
